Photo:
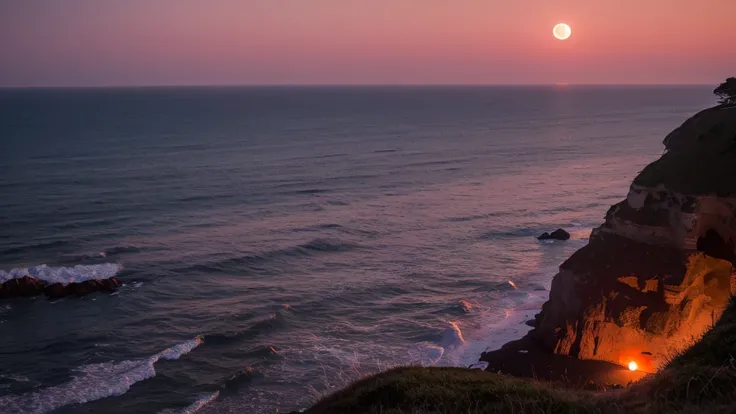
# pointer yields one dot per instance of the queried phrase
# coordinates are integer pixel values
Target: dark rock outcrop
(558, 234)
(28, 286)
(660, 271)
(57, 290)
(25, 286)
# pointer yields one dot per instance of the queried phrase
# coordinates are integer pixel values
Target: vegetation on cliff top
(700, 157)
(726, 92)
(702, 379)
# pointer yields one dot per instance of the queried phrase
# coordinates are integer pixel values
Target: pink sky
(206, 42)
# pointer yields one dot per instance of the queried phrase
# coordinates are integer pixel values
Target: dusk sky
(236, 42)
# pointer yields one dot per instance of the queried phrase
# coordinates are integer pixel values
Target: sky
(256, 42)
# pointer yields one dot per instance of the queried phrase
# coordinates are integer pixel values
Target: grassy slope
(702, 380)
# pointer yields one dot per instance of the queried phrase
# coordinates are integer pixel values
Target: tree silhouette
(726, 92)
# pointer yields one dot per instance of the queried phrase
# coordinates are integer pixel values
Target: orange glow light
(633, 366)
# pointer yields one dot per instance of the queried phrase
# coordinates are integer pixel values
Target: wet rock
(25, 286)
(558, 234)
(57, 290)
(28, 286)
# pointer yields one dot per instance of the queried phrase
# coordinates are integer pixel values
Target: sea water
(277, 243)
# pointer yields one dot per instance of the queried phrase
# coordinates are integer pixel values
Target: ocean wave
(452, 336)
(32, 247)
(253, 260)
(273, 322)
(447, 336)
(240, 379)
(466, 306)
(466, 218)
(521, 232)
(76, 274)
(263, 351)
(426, 354)
(317, 227)
(312, 191)
(93, 382)
(121, 249)
(15, 378)
(196, 405)
(327, 245)
(112, 251)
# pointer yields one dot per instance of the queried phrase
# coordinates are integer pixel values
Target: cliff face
(660, 271)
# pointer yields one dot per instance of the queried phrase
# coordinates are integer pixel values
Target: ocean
(277, 243)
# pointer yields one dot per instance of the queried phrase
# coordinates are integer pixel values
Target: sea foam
(196, 405)
(93, 382)
(64, 275)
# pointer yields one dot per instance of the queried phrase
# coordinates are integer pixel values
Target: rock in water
(27, 286)
(558, 234)
(57, 290)
(660, 271)
(21, 287)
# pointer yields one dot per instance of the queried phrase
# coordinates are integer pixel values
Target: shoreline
(521, 357)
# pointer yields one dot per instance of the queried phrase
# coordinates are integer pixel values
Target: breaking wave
(93, 382)
(196, 405)
(76, 274)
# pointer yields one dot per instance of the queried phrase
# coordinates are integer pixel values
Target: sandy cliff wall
(660, 270)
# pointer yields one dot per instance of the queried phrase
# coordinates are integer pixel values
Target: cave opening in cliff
(714, 245)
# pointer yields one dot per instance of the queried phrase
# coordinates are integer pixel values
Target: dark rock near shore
(558, 234)
(57, 290)
(21, 287)
(28, 286)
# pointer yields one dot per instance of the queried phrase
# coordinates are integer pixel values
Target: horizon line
(342, 85)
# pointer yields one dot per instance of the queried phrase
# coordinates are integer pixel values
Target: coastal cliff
(659, 272)
(653, 286)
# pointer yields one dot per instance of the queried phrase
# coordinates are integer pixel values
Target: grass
(700, 380)
(449, 390)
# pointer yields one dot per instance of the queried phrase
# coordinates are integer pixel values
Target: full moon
(562, 31)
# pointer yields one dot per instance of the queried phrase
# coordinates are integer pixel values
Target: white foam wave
(452, 336)
(93, 382)
(426, 354)
(178, 350)
(494, 335)
(196, 405)
(65, 275)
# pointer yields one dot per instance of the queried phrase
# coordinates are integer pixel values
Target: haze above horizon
(382, 42)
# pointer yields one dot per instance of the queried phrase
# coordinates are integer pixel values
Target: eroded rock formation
(660, 270)
(58, 290)
(558, 234)
(27, 286)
